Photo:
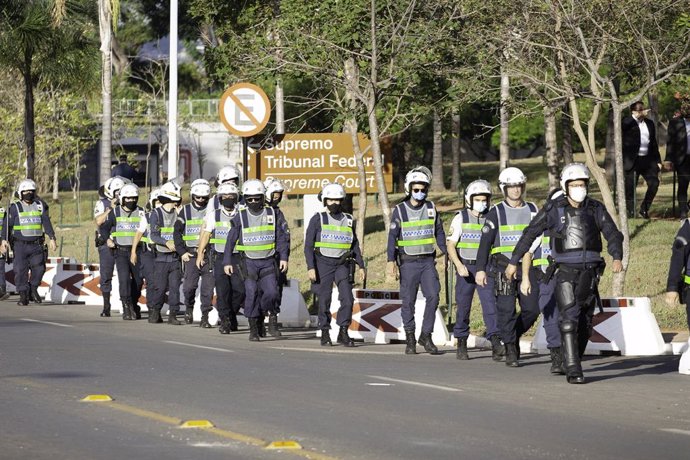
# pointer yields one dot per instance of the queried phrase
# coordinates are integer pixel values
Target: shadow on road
(630, 367)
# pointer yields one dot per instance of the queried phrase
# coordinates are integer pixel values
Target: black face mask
(228, 203)
(130, 203)
(202, 203)
(335, 208)
(255, 206)
(28, 196)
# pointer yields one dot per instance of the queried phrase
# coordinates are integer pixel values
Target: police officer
(186, 236)
(576, 223)
(226, 174)
(167, 277)
(257, 235)
(123, 229)
(679, 270)
(274, 195)
(106, 256)
(332, 250)
(503, 227)
(229, 289)
(27, 223)
(465, 232)
(148, 258)
(3, 255)
(415, 225)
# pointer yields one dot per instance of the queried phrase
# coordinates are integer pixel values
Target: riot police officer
(576, 223)
(465, 233)
(3, 255)
(504, 225)
(123, 229)
(226, 174)
(186, 236)
(166, 276)
(106, 256)
(415, 225)
(257, 235)
(229, 289)
(27, 222)
(332, 251)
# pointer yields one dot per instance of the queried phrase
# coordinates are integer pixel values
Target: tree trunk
(618, 283)
(551, 144)
(378, 160)
(437, 159)
(567, 135)
(105, 18)
(280, 107)
(56, 179)
(29, 128)
(504, 149)
(610, 156)
(455, 151)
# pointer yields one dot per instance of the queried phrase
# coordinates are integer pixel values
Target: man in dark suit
(640, 157)
(123, 169)
(678, 151)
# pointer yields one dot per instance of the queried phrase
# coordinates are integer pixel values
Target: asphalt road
(368, 402)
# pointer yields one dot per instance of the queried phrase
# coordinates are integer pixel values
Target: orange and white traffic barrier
(376, 317)
(626, 324)
(76, 283)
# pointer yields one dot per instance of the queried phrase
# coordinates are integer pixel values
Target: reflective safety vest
(470, 234)
(166, 222)
(258, 234)
(541, 255)
(511, 224)
(146, 238)
(336, 235)
(193, 221)
(126, 225)
(417, 228)
(29, 220)
(221, 228)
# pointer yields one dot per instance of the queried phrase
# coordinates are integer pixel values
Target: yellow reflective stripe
(686, 278)
(332, 245)
(467, 245)
(260, 228)
(143, 239)
(512, 228)
(28, 227)
(336, 228)
(30, 213)
(539, 262)
(423, 242)
(195, 221)
(167, 229)
(218, 241)
(472, 226)
(128, 219)
(262, 247)
(417, 223)
(190, 238)
(502, 249)
(123, 233)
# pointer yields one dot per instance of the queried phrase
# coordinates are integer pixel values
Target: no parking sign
(244, 109)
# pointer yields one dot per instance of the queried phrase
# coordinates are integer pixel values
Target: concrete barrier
(684, 364)
(376, 317)
(46, 282)
(627, 325)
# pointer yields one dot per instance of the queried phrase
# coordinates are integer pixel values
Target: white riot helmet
(478, 187)
(416, 176)
(332, 192)
(113, 186)
(573, 171)
(26, 185)
(511, 176)
(153, 197)
(129, 191)
(171, 190)
(228, 173)
(201, 187)
(253, 187)
(273, 186)
(228, 188)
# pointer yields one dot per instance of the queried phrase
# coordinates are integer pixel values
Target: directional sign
(244, 109)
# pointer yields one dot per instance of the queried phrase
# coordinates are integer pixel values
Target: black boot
(189, 314)
(411, 343)
(204, 324)
(106, 305)
(23, 298)
(35, 296)
(273, 325)
(253, 330)
(127, 310)
(427, 343)
(556, 361)
(233, 322)
(344, 337)
(224, 326)
(511, 355)
(261, 326)
(461, 352)
(326, 338)
(136, 311)
(4, 295)
(571, 356)
(172, 319)
(154, 316)
(498, 351)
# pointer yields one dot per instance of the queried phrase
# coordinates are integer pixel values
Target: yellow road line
(142, 413)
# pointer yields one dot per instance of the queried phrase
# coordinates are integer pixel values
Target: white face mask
(578, 194)
(479, 206)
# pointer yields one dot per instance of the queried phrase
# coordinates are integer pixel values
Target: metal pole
(86, 257)
(62, 238)
(172, 101)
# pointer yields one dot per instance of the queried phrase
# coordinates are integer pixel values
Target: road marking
(142, 413)
(675, 430)
(46, 322)
(376, 384)
(419, 384)
(224, 350)
(344, 352)
(26, 382)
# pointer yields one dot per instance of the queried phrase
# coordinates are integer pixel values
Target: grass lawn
(646, 277)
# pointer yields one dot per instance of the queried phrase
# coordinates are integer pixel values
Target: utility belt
(338, 260)
(402, 257)
(38, 241)
(98, 239)
(598, 267)
(192, 251)
(468, 261)
(502, 285)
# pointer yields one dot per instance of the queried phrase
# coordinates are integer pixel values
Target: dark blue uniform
(106, 257)
(3, 237)
(148, 263)
(27, 224)
(679, 269)
(167, 276)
